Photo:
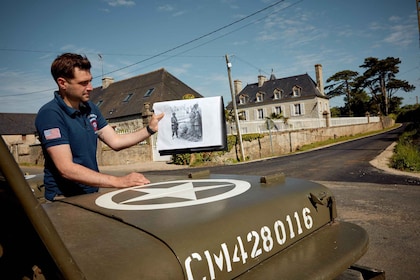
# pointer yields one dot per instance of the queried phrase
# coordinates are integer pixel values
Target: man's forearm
(86, 176)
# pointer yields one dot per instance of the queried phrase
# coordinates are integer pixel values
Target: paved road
(346, 162)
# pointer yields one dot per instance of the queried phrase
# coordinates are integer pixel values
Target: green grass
(407, 151)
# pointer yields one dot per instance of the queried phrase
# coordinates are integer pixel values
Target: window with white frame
(296, 91)
(277, 93)
(260, 114)
(242, 115)
(298, 109)
(260, 97)
(277, 110)
(242, 100)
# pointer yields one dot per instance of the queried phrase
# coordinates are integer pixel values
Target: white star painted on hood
(186, 191)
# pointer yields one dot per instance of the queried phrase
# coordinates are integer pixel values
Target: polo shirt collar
(84, 107)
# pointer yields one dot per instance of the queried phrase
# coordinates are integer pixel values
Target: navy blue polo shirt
(59, 124)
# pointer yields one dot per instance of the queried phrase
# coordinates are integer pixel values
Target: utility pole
(235, 111)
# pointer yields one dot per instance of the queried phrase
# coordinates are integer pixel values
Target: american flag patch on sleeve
(53, 133)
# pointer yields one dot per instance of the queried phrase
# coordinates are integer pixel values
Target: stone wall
(290, 141)
(139, 153)
(24, 148)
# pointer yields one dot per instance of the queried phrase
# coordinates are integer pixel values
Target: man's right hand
(131, 180)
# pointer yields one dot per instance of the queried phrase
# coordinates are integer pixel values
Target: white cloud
(374, 26)
(240, 43)
(179, 70)
(166, 8)
(24, 95)
(12, 82)
(115, 3)
(266, 36)
(394, 19)
(171, 9)
(179, 13)
(231, 3)
(402, 34)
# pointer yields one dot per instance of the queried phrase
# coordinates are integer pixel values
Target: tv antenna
(102, 65)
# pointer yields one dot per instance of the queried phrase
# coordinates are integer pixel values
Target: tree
(344, 85)
(360, 103)
(380, 79)
(335, 112)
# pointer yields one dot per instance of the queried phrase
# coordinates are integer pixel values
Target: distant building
(127, 106)
(125, 103)
(19, 132)
(293, 97)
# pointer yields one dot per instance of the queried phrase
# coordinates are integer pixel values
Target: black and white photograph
(191, 125)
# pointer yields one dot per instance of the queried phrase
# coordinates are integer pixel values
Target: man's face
(77, 89)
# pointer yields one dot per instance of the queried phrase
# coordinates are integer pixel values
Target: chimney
(261, 80)
(319, 79)
(237, 86)
(106, 81)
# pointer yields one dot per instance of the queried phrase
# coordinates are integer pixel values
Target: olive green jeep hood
(220, 227)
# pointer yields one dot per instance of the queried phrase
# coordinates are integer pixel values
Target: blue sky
(190, 38)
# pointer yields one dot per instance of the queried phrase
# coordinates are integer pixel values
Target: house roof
(304, 82)
(127, 97)
(17, 124)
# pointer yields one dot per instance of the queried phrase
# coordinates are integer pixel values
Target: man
(174, 125)
(69, 127)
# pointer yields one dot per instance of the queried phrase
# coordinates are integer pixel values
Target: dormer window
(128, 97)
(242, 99)
(296, 91)
(149, 92)
(260, 97)
(277, 93)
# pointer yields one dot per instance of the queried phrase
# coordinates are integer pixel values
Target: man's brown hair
(63, 66)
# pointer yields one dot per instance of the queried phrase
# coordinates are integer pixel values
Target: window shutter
(283, 111)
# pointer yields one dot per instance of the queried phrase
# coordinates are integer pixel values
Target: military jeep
(203, 226)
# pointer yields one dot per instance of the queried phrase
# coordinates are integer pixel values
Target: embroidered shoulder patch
(51, 134)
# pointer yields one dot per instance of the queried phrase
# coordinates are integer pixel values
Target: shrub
(407, 152)
(199, 158)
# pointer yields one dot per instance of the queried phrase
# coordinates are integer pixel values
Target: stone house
(294, 97)
(127, 106)
(19, 133)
